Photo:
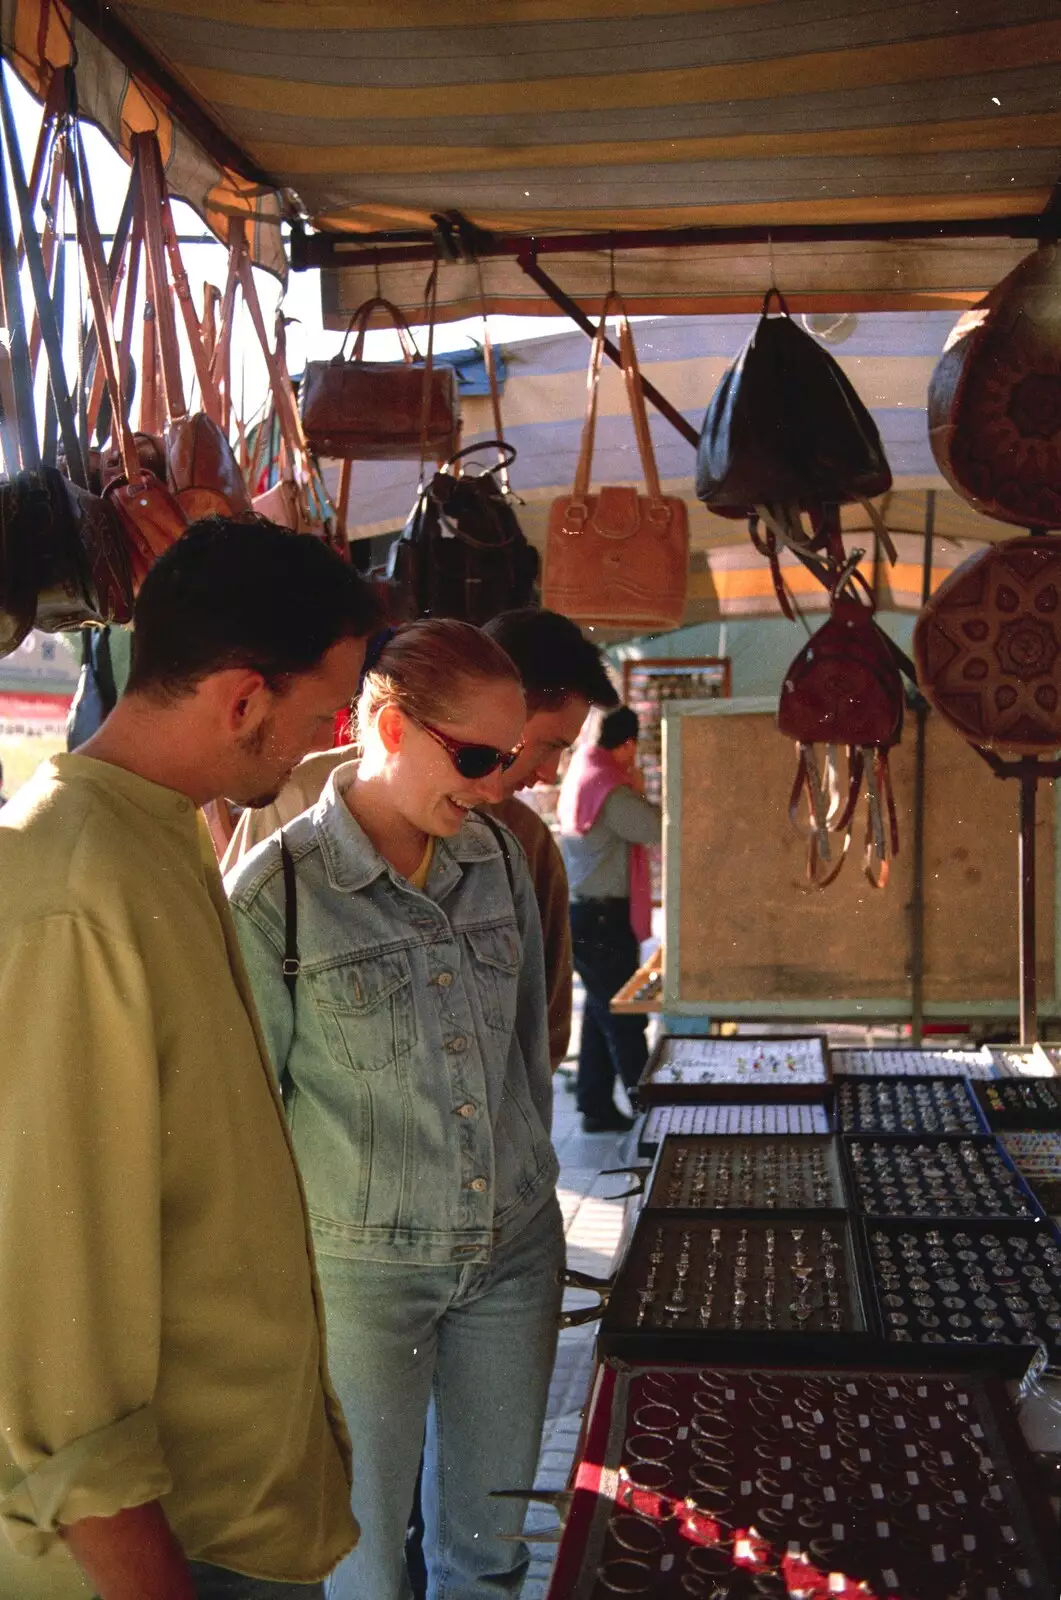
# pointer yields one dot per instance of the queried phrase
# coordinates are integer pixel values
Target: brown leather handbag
(202, 468)
(994, 402)
(617, 558)
(988, 647)
(362, 410)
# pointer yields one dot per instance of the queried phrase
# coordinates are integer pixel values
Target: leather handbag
(462, 552)
(617, 558)
(201, 465)
(988, 647)
(994, 402)
(786, 434)
(363, 410)
(844, 691)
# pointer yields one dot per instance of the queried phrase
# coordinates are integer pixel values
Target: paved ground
(593, 1225)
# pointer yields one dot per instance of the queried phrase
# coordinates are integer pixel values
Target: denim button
(466, 1110)
(458, 1043)
(478, 1184)
(444, 980)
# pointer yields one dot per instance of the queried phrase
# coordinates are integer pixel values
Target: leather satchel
(462, 552)
(362, 410)
(844, 691)
(617, 558)
(994, 402)
(988, 647)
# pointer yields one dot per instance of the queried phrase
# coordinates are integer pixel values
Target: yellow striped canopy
(572, 116)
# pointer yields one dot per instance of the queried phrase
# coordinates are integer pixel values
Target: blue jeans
(606, 954)
(462, 1354)
(218, 1583)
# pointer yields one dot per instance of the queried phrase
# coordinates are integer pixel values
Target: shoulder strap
(502, 844)
(292, 965)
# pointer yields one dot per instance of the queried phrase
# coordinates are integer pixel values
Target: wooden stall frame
(870, 1010)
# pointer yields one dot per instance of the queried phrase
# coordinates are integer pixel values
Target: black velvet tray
(805, 1326)
(907, 1107)
(862, 1485)
(995, 1187)
(952, 1263)
(714, 1172)
(1012, 1104)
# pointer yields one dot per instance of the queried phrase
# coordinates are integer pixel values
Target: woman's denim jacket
(415, 1060)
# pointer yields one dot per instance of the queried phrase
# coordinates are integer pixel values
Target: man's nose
(548, 771)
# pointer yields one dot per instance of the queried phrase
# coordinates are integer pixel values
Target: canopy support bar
(464, 241)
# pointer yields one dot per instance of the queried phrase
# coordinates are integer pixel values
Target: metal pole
(1029, 1019)
(917, 901)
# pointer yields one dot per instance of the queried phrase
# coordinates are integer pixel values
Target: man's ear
(240, 699)
(390, 725)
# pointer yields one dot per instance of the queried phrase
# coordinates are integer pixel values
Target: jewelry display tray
(629, 1330)
(967, 1118)
(735, 1119)
(1022, 1194)
(678, 1071)
(979, 1346)
(755, 1153)
(944, 1440)
(1015, 1114)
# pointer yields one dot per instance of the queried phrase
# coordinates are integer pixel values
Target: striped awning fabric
(573, 116)
(889, 359)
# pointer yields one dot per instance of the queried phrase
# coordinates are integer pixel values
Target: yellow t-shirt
(418, 879)
(163, 1334)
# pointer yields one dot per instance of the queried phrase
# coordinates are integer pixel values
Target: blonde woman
(412, 1047)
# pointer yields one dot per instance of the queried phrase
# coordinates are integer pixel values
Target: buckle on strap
(291, 967)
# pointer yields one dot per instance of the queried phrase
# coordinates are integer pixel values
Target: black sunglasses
(472, 760)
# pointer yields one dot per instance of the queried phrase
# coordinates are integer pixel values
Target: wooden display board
(746, 938)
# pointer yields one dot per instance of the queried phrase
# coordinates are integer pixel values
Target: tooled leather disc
(988, 647)
(994, 401)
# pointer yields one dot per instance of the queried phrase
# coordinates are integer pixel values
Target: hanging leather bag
(462, 552)
(617, 558)
(786, 434)
(844, 692)
(994, 402)
(202, 468)
(988, 647)
(362, 410)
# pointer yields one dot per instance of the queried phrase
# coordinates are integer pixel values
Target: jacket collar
(352, 861)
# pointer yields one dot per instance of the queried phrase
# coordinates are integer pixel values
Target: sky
(307, 338)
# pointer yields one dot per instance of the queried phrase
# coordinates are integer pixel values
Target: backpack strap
(292, 965)
(502, 844)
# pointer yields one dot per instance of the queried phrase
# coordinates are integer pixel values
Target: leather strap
(635, 395)
(502, 844)
(292, 965)
(145, 153)
(283, 394)
(208, 395)
(15, 315)
(360, 320)
(95, 271)
(430, 308)
(766, 544)
(495, 393)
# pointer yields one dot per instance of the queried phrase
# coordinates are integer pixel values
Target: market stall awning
(581, 117)
(888, 358)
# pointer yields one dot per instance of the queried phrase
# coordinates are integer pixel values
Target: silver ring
(626, 1575)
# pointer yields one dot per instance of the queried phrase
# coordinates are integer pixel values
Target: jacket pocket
(366, 1011)
(496, 957)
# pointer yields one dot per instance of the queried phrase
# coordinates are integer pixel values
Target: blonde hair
(426, 668)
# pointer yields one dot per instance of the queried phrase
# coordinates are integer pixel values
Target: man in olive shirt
(564, 676)
(165, 1410)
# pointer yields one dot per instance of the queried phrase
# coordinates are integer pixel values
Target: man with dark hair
(605, 825)
(563, 676)
(165, 1409)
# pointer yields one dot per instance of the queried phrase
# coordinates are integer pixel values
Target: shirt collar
(165, 805)
(352, 861)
